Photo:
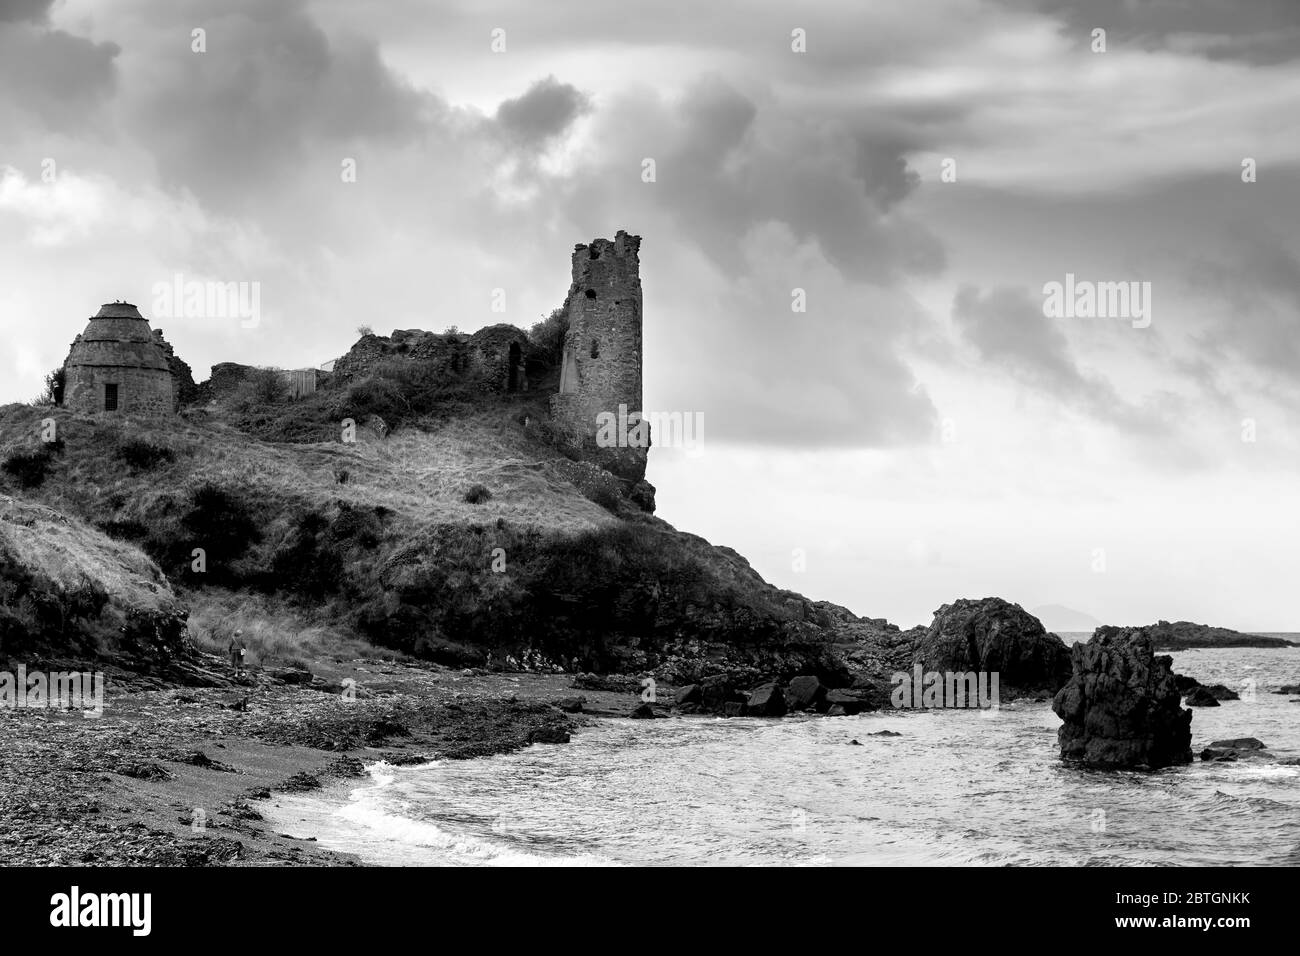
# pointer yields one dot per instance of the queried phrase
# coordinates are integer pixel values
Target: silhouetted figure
(237, 654)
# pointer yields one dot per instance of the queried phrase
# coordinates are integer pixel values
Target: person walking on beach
(237, 654)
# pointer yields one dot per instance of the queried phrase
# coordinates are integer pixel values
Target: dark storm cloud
(725, 167)
(884, 172)
(1257, 31)
(33, 11)
(1008, 328)
(272, 95)
(59, 78)
(545, 111)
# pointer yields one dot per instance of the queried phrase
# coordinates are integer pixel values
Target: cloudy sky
(923, 431)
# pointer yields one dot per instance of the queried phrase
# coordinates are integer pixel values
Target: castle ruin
(118, 365)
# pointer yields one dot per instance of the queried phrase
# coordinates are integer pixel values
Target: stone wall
(183, 376)
(499, 356)
(496, 357)
(447, 351)
(140, 391)
(226, 378)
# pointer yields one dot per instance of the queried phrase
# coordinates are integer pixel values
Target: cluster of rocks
(1228, 751)
(1196, 694)
(986, 635)
(721, 696)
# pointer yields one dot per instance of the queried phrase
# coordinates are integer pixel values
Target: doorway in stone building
(512, 380)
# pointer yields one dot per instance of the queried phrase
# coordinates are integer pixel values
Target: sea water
(953, 787)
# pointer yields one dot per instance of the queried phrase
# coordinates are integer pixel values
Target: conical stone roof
(118, 335)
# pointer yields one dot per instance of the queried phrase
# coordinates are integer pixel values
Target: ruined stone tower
(601, 369)
(118, 366)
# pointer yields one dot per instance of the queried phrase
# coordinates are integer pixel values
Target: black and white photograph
(712, 435)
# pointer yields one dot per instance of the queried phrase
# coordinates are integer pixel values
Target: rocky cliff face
(994, 636)
(1121, 706)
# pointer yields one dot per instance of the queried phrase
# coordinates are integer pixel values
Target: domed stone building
(119, 366)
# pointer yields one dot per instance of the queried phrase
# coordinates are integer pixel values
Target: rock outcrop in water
(1186, 635)
(995, 636)
(1121, 706)
(1227, 751)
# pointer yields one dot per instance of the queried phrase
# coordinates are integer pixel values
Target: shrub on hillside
(260, 387)
(143, 455)
(55, 383)
(29, 469)
(603, 495)
(548, 335)
(312, 561)
(548, 432)
(127, 530)
(400, 390)
(303, 422)
(477, 494)
(222, 524)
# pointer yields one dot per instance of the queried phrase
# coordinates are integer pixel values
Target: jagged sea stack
(1121, 707)
(119, 366)
(601, 369)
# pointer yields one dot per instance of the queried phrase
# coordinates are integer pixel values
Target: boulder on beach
(1121, 706)
(766, 701)
(549, 735)
(804, 693)
(846, 701)
(690, 694)
(997, 637)
(716, 691)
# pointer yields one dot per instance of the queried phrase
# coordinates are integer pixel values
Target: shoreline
(198, 776)
(180, 776)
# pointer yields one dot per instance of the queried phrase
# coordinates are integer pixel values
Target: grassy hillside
(309, 544)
